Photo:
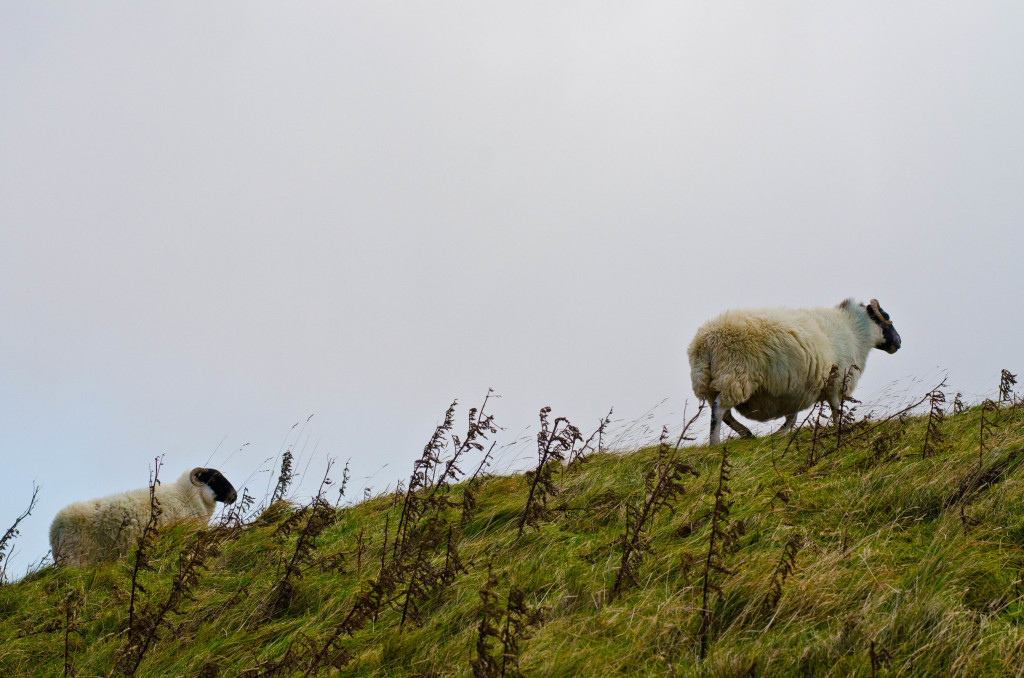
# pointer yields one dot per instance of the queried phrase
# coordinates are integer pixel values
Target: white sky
(219, 218)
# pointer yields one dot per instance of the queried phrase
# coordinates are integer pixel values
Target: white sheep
(771, 363)
(88, 532)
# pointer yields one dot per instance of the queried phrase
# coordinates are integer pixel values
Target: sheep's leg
(834, 404)
(735, 425)
(787, 425)
(716, 420)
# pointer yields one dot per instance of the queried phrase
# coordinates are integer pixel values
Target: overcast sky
(220, 218)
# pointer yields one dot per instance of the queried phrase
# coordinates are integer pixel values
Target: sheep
(771, 363)
(92, 531)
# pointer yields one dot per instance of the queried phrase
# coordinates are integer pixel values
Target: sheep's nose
(230, 499)
(895, 344)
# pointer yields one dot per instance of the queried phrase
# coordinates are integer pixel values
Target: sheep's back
(98, 529)
(774, 352)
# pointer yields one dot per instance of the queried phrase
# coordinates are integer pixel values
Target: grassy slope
(883, 563)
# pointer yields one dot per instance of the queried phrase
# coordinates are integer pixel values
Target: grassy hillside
(891, 547)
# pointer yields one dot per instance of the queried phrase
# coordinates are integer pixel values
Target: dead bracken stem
(71, 605)
(8, 539)
(664, 484)
(557, 443)
(428, 528)
(284, 479)
(784, 568)
(492, 634)
(1006, 381)
(191, 561)
(578, 456)
(553, 443)
(129, 657)
(723, 541)
(985, 426)
(879, 656)
(319, 515)
(866, 429)
(934, 439)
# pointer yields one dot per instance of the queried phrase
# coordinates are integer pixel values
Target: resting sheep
(91, 531)
(770, 363)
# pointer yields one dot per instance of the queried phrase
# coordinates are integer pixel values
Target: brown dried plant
(204, 546)
(663, 485)
(12, 532)
(315, 517)
(985, 425)
(784, 568)
(934, 438)
(554, 442)
(70, 607)
(723, 541)
(284, 478)
(560, 447)
(502, 629)
(128, 657)
(1006, 382)
(879, 657)
(427, 528)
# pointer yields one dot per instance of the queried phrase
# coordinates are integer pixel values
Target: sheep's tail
(701, 376)
(719, 374)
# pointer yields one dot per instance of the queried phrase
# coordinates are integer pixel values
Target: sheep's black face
(890, 337)
(222, 489)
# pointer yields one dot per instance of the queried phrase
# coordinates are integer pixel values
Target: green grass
(892, 575)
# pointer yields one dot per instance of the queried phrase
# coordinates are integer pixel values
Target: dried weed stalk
(204, 546)
(882, 445)
(554, 442)
(934, 439)
(134, 633)
(983, 478)
(237, 515)
(845, 419)
(985, 426)
(723, 541)
(8, 539)
(595, 443)
(879, 657)
(860, 431)
(319, 514)
(494, 635)
(663, 485)
(1006, 382)
(816, 416)
(361, 543)
(284, 478)
(70, 606)
(345, 476)
(472, 485)
(784, 568)
(427, 528)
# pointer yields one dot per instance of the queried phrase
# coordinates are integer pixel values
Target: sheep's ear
(196, 475)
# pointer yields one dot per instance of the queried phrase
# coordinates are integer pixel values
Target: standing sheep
(771, 363)
(88, 532)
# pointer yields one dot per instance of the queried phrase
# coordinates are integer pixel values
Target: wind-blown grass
(875, 560)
